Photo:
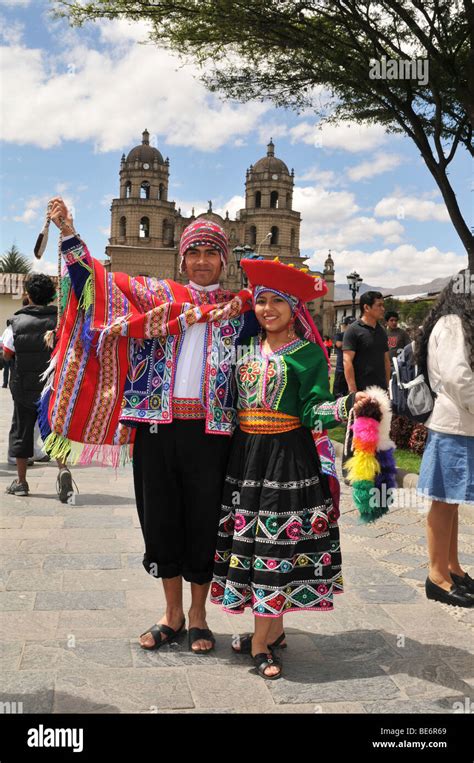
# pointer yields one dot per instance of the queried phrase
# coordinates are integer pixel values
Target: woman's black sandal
(245, 642)
(263, 661)
(200, 634)
(156, 630)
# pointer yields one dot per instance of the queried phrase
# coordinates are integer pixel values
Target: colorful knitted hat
(203, 232)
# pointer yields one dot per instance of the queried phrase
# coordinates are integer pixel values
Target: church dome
(144, 152)
(270, 163)
(212, 216)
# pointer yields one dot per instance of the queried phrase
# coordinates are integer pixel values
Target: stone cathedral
(146, 226)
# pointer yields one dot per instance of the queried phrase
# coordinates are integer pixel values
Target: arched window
(232, 236)
(145, 190)
(292, 238)
(123, 227)
(288, 200)
(274, 199)
(252, 235)
(128, 189)
(145, 227)
(258, 199)
(274, 238)
(161, 191)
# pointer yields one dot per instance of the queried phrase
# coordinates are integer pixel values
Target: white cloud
(417, 207)
(271, 130)
(11, 32)
(28, 216)
(357, 230)
(120, 31)
(44, 266)
(347, 136)
(34, 212)
(389, 268)
(325, 177)
(200, 206)
(375, 166)
(15, 3)
(79, 94)
(321, 209)
(32, 209)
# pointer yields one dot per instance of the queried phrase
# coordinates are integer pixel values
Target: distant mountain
(342, 291)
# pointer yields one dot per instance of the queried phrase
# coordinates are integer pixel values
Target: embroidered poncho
(107, 320)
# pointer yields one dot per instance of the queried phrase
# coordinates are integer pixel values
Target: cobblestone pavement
(75, 597)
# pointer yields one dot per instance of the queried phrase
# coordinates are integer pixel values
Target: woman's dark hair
(455, 299)
(40, 288)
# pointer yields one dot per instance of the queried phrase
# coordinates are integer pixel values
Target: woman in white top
(445, 353)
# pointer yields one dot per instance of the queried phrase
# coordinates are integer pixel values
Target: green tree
(14, 262)
(391, 303)
(320, 55)
(414, 313)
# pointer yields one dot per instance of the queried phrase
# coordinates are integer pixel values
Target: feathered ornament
(42, 240)
(371, 470)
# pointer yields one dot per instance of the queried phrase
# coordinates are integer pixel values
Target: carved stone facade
(146, 227)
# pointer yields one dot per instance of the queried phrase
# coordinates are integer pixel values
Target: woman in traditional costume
(278, 547)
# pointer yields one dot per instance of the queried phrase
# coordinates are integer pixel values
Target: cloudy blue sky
(75, 99)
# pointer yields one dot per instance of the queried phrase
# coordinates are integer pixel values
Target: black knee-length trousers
(179, 473)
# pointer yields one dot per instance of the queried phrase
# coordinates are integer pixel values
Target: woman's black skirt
(278, 547)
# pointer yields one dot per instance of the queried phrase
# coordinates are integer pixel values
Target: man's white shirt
(191, 357)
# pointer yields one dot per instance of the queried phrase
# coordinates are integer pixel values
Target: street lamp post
(242, 253)
(354, 280)
(263, 239)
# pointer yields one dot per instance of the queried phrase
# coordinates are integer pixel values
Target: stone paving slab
(74, 597)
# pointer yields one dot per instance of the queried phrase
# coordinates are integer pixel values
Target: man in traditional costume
(147, 362)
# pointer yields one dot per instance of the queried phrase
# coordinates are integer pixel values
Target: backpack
(410, 394)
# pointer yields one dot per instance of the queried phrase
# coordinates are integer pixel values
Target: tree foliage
(319, 54)
(14, 262)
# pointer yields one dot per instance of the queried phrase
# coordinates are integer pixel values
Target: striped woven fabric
(188, 408)
(263, 421)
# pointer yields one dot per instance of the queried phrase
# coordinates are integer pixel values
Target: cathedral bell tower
(139, 215)
(143, 222)
(272, 226)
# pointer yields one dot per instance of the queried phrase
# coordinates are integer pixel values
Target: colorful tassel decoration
(81, 453)
(371, 469)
